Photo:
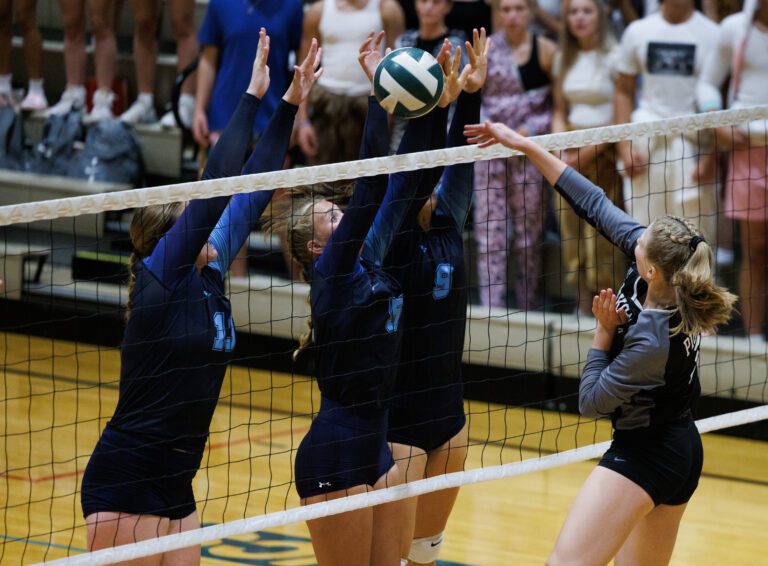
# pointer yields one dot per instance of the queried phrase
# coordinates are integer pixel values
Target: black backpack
(54, 154)
(111, 154)
(11, 139)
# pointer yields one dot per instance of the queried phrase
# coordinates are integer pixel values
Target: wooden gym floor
(56, 396)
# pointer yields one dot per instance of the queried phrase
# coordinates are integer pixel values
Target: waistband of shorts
(370, 416)
(680, 421)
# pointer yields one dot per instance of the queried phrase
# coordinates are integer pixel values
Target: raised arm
(403, 188)
(244, 210)
(587, 200)
(455, 192)
(177, 250)
(343, 247)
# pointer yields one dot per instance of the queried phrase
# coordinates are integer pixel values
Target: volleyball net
(64, 264)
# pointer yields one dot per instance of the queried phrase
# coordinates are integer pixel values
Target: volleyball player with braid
(427, 426)
(180, 335)
(355, 314)
(641, 370)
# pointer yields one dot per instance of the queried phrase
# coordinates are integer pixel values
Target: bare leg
(412, 462)
(26, 17)
(108, 529)
(189, 556)
(105, 56)
(145, 16)
(386, 542)
(73, 16)
(752, 280)
(653, 539)
(434, 508)
(183, 23)
(604, 513)
(343, 539)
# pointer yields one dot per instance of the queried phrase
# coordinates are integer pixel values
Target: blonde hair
(292, 219)
(569, 45)
(148, 225)
(677, 248)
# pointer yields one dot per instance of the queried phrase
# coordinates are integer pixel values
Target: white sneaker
(34, 101)
(139, 113)
(102, 106)
(73, 97)
(186, 113)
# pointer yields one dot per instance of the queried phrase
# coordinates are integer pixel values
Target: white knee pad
(425, 550)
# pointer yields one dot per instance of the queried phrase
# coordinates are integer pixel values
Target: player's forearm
(206, 75)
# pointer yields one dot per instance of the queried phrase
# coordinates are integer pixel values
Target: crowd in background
(554, 66)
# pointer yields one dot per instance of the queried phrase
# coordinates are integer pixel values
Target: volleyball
(408, 82)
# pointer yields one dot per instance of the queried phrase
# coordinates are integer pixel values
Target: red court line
(213, 446)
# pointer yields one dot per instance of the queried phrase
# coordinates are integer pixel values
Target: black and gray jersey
(649, 377)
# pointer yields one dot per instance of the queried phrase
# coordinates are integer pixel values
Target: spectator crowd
(554, 66)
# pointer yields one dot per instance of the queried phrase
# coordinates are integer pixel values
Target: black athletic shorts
(427, 419)
(138, 476)
(666, 463)
(345, 447)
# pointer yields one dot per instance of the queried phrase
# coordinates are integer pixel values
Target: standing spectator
(517, 92)
(741, 51)
(146, 16)
(583, 93)
(227, 36)
(102, 14)
(26, 19)
(429, 36)
(331, 125)
(666, 50)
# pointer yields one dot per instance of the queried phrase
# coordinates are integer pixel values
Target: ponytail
(686, 259)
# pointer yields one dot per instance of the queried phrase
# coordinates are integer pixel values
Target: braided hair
(685, 259)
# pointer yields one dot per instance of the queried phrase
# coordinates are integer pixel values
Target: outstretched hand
(478, 60)
(369, 55)
(453, 81)
(305, 75)
(260, 74)
(487, 134)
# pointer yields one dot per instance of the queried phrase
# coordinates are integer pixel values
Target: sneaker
(139, 113)
(34, 101)
(102, 106)
(73, 97)
(186, 113)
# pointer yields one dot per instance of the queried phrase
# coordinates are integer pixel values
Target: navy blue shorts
(667, 464)
(134, 475)
(345, 447)
(427, 419)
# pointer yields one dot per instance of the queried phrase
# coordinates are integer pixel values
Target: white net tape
(92, 204)
(318, 510)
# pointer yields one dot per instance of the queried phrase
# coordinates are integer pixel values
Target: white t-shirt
(753, 83)
(588, 88)
(670, 58)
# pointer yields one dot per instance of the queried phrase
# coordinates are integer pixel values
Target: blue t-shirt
(233, 27)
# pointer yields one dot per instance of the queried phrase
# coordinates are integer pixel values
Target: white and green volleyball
(408, 82)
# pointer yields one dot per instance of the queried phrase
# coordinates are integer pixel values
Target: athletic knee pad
(425, 550)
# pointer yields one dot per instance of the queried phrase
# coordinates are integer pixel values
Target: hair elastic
(695, 241)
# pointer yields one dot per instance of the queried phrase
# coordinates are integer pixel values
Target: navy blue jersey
(648, 378)
(180, 334)
(356, 305)
(431, 268)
